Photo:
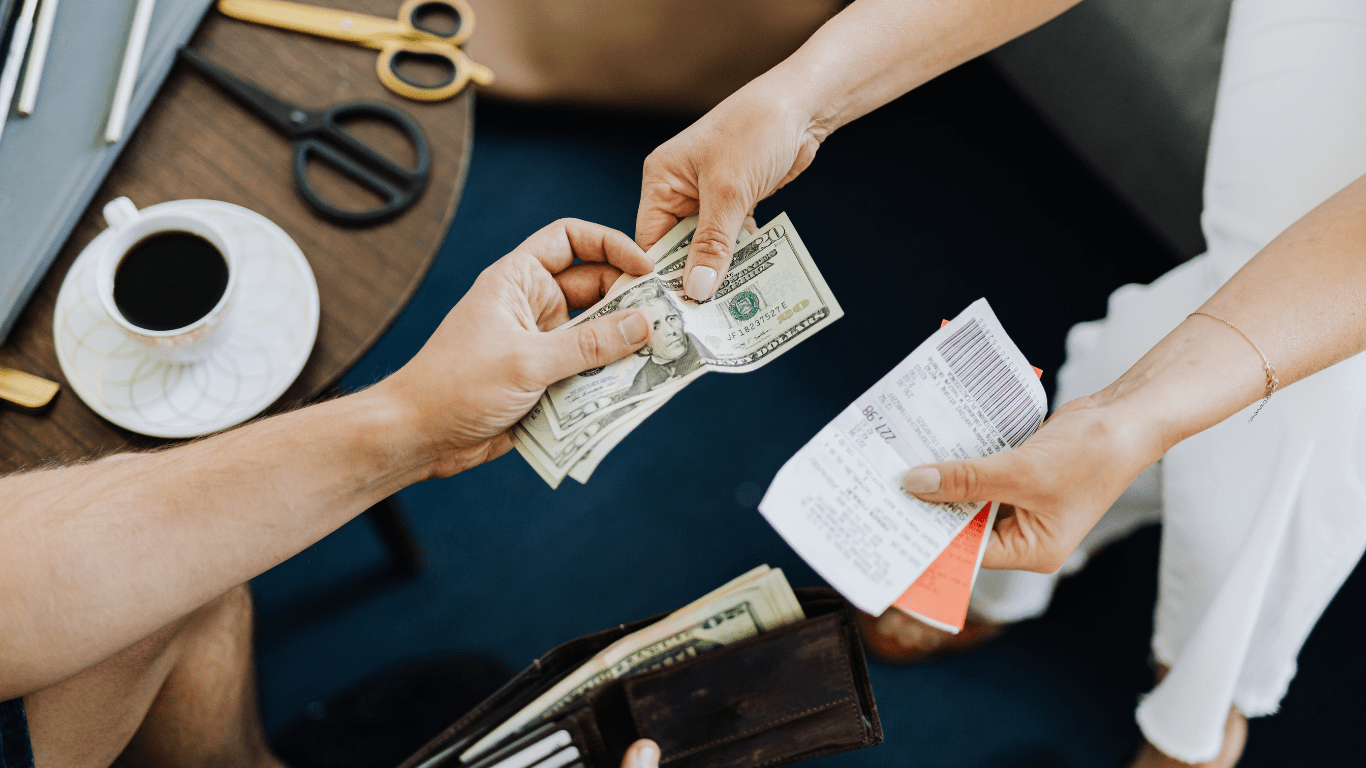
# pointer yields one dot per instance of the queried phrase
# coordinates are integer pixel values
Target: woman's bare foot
(896, 638)
(1235, 737)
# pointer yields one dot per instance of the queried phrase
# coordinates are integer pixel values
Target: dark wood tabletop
(196, 142)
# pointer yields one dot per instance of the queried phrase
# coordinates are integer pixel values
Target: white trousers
(1262, 521)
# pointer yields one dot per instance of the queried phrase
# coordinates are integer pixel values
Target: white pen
(42, 35)
(128, 75)
(9, 76)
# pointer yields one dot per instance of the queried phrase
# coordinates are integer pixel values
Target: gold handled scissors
(392, 38)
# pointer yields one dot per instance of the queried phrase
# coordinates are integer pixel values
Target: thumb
(642, 754)
(990, 478)
(719, 219)
(592, 344)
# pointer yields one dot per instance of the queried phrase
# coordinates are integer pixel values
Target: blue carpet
(954, 192)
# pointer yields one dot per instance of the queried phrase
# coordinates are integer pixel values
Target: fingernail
(701, 283)
(647, 755)
(634, 329)
(922, 480)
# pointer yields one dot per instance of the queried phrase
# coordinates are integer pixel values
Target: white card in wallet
(964, 393)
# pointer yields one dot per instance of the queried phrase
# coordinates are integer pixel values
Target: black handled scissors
(316, 133)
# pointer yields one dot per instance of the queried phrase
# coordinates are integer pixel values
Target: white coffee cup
(130, 227)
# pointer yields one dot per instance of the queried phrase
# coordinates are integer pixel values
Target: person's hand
(1053, 488)
(642, 754)
(719, 168)
(494, 354)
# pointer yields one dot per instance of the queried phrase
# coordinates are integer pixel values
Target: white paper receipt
(965, 393)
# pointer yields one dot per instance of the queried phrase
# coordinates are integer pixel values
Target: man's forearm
(876, 50)
(99, 555)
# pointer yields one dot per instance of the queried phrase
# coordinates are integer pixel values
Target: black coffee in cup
(169, 280)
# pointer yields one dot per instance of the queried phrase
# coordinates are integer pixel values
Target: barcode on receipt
(974, 359)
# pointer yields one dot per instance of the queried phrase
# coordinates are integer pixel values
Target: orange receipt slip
(940, 596)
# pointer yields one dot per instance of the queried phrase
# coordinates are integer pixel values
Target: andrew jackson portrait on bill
(772, 299)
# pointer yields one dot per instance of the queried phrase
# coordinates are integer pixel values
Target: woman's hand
(1301, 298)
(494, 354)
(719, 168)
(767, 132)
(1053, 489)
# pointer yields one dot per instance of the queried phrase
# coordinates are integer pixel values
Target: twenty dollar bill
(773, 298)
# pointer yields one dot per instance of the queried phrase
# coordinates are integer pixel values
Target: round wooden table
(196, 142)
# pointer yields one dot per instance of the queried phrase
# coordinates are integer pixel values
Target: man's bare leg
(184, 696)
(1235, 737)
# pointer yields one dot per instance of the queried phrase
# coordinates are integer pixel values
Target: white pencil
(9, 77)
(128, 75)
(42, 34)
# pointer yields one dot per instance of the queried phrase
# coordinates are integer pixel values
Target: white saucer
(269, 332)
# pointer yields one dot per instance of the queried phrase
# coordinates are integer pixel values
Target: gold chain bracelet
(1271, 381)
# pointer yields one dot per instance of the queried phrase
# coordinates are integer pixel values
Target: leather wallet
(793, 693)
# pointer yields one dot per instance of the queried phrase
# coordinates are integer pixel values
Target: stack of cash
(772, 298)
(756, 602)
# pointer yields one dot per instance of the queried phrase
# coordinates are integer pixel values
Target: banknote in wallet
(751, 675)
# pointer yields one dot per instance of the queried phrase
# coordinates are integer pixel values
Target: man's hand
(719, 168)
(642, 754)
(103, 554)
(492, 356)
(1052, 490)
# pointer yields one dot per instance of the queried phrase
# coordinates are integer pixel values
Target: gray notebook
(53, 161)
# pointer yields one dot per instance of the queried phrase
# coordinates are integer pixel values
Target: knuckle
(711, 248)
(963, 479)
(666, 196)
(592, 345)
(726, 191)
(519, 259)
(662, 154)
(509, 261)
(655, 187)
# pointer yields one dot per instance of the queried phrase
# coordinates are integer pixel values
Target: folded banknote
(772, 299)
